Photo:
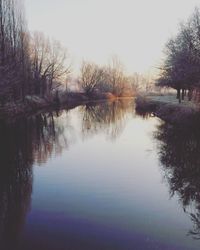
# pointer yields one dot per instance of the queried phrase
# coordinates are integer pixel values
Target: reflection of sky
(107, 195)
(136, 30)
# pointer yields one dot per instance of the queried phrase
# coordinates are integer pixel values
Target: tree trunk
(179, 95)
(183, 94)
(189, 95)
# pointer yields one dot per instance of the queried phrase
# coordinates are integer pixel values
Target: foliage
(181, 68)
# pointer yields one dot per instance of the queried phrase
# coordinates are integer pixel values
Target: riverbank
(34, 104)
(168, 108)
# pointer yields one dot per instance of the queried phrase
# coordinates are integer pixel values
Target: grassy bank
(168, 108)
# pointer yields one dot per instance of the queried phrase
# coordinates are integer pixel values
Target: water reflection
(22, 144)
(179, 154)
(106, 117)
(34, 140)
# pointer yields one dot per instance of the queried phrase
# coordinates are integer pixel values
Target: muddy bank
(169, 111)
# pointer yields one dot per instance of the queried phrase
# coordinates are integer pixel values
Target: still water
(99, 177)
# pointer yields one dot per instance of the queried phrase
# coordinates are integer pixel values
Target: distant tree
(107, 79)
(116, 77)
(139, 82)
(91, 76)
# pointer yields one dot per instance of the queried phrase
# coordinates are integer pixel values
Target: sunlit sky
(134, 30)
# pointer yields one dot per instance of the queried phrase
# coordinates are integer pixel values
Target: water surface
(99, 177)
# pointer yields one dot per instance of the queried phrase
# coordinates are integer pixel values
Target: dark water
(99, 177)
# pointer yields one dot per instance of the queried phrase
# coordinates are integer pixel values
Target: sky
(95, 30)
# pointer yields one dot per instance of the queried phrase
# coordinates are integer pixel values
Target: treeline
(111, 79)
(33, 65)
(30, 64)
(181, 68)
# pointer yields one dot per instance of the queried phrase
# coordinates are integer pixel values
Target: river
(99, 177)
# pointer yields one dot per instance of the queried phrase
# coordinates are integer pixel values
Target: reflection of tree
(22, 144)
(144, 114)
(107, 117)
(15, 179)
(48, 137)
(33, 140)
(179, 151)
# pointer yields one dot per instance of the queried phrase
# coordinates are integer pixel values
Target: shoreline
(168, 108)
(34, 105)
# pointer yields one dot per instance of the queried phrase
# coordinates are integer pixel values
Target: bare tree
(116, 77)
(29, 64)
(181, 68)
(48, 63)
(91, 76)
(13, 49)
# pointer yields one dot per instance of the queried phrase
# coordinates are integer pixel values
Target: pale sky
(134, 30)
